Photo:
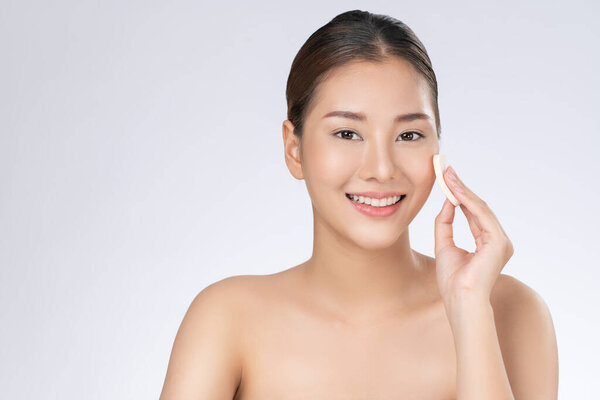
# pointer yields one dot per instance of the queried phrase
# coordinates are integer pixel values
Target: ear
(293, 150)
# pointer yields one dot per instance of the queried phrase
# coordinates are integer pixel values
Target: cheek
(330, 165)
(419, 166)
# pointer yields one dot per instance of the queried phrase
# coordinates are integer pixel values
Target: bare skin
(370, 322)
(363, 317)
(297, 347)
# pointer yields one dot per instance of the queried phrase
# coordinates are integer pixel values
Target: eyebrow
(361, 117)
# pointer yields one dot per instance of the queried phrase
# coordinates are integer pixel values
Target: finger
(443, 227)
(473, 224)
(480, 235)
(483, 215)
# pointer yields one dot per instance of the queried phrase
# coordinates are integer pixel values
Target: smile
(375, 202)
(380, 208)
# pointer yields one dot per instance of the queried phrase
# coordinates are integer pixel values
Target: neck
(365, 283)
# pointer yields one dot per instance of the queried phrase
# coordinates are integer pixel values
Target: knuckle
(482, 204)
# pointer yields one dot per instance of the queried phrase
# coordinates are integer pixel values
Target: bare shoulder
(514, 302)
(239, 290)
(232, 299)
(206, 360)
(233, 288)
(242, 295)
(527, 339)
(511, 295)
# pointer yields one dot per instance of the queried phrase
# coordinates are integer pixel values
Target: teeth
(375, 202)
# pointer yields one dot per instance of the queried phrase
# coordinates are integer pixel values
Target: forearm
(480, 370)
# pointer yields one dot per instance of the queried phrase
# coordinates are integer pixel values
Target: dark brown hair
(352, 36)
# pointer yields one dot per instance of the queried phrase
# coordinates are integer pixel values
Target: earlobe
(292, 149)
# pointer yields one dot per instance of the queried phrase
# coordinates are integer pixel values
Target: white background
(141, 159)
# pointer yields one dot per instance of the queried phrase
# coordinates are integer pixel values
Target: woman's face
(340, 155)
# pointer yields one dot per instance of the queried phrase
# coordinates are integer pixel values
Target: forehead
(377, 89)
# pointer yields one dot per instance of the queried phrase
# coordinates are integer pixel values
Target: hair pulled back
(352, 36)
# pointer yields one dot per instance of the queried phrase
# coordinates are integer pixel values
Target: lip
(377, 195)
(376, 211)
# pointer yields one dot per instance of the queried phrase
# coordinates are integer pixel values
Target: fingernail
(458, 188)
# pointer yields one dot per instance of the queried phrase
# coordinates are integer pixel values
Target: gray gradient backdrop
(141, 159)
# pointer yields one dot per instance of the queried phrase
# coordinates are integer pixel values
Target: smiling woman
(366, 316)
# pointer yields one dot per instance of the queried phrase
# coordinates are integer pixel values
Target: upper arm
(205, 362)
(528, 342)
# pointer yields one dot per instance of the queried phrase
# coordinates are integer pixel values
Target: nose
(378, 161)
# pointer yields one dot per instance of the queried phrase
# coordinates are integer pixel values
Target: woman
(367, 317)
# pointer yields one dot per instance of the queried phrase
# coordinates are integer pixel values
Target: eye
(345, 134)
(345, 131)
(411, 135)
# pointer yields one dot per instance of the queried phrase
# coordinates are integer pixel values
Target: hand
(459, 271)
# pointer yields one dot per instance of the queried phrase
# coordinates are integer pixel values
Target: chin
(377, 240)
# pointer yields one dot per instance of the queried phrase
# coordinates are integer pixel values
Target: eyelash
(348, 130)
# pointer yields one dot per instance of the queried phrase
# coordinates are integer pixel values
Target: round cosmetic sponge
(439, 166)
